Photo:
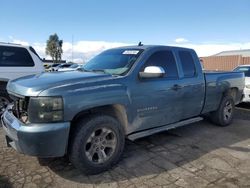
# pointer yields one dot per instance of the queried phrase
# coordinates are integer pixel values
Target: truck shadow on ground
(243, 111)
(160, 153)
(4, 182)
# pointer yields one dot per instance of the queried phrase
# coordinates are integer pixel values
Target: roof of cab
(145, 47)
(246, 65)
(12, 44)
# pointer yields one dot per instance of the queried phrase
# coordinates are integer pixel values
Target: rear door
(15, 62)
(192, 83)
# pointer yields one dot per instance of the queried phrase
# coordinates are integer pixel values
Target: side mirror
(152, 72)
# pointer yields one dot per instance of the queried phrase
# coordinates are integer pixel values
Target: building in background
(243, 53)
(226, 60)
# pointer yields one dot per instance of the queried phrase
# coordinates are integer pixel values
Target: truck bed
(219, 81)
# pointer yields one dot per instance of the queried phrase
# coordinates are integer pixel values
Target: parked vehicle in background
(62, 66)
(16, 61)
(246, 70)
(46, 66)
(53, 67)
(127, 92)
(70, 68)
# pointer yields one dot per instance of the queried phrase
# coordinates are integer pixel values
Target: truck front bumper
(41, 140)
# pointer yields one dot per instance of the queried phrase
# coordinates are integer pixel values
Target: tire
(88, 144)
(223, 116)
(4, 101)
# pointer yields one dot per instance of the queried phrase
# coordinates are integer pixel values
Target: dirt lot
(199, 155)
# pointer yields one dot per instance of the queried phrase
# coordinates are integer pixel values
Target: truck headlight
(45, 109)
(248, 86)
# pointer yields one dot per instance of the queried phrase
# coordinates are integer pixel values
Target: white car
(16, 61)
(72, 67)
(62, 66)
(53, 67)
(246, 70)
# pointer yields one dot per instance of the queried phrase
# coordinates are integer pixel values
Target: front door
(157, 101)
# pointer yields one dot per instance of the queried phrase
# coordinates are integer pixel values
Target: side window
(164, 59)
(187, 63)
(15, 57)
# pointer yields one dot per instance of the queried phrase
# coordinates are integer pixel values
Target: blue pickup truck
(127, 92)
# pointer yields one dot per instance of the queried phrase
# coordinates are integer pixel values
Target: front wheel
(97, 144)
(223, 116)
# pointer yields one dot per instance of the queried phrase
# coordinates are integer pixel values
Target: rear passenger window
(187, 63)
(164, 59)
(15, 57)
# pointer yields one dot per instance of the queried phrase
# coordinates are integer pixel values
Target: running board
(148, 132)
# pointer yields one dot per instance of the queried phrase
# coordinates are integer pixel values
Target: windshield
(114, 61)
(245, 70)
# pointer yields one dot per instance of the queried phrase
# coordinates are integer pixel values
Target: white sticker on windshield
(131, 52)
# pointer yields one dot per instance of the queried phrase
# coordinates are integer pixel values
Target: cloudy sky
(88, 27)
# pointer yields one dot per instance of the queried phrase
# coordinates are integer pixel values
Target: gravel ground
(198, 155)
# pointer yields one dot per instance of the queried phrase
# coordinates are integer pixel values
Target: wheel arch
(115, 110)
(231, 92)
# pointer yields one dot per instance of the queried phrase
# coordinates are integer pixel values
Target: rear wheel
(97, 144)
(223, 116)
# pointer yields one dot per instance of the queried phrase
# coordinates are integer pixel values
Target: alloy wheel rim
(228, 109)
(100, 145)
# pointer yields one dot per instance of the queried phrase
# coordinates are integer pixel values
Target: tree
(54, 48)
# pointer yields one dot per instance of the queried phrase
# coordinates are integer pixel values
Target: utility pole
(72, 55)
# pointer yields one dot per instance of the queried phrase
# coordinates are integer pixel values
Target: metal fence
(224, 63)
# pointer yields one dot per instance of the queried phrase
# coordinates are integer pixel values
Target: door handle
(176, 87)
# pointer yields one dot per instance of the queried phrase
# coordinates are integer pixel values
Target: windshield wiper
(98, 70)
(83, 69)
(93, 70)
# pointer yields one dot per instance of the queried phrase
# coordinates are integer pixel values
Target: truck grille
(20, 108)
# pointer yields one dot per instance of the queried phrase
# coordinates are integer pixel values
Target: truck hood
(34, 84)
